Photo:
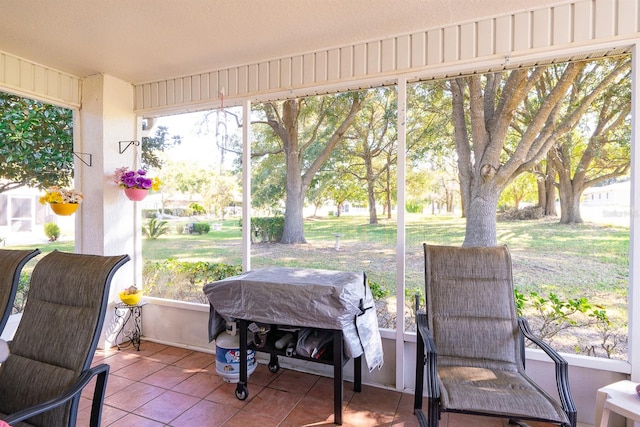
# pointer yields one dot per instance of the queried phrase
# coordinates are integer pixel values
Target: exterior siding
(27, 78)
(497, 39)
(419, 55)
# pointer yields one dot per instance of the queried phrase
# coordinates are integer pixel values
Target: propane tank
(228, 355)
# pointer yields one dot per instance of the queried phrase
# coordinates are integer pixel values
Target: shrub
(155, 228)
(197, 209)
(52, 231)
(183, 280)
(201, 227)
(514, 214)
(266, 229)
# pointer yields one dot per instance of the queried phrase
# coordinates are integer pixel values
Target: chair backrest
(11, 263)
(471, 306)
(58, 333)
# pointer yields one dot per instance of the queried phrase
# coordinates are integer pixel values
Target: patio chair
(472, 342)
(53, 347)
(11, 263)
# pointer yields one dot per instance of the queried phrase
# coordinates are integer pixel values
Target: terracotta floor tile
(250, 419)
(140, 369)
(405, 407)
(196, 360)
(225, 394)
(169, 355)
(310, 411)
(167, 377)
(133, 397)
(109, 415)
(121, 360)
(365, 418)
(199, 384)
(205, 413)
(147, 348)
(406, 421)
(262, 376)
(167, 406)
(294, 382)
(168, 386)
(116, 383)
(131, 420)
(273, 403)
(323, 389)
(376, 399)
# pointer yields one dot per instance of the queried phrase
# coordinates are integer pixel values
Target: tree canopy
(36, 144)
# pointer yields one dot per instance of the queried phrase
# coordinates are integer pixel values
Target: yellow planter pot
(130, 299)
(64, 209)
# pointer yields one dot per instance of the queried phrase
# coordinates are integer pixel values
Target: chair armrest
(430, 355)
(101, 371)
(562, 369)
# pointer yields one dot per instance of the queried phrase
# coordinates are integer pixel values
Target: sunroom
(117, 65)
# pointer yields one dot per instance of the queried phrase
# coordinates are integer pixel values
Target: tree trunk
(569, 203)
(293, 218)
(481, 217)
(373, 215)
(371, 193)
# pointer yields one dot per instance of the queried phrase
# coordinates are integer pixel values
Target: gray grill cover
(323, 299)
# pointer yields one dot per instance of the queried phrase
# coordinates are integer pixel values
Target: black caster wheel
(274, 367)
(242, 392)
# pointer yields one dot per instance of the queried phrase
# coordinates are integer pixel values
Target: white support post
(246, 185)
(401, 242)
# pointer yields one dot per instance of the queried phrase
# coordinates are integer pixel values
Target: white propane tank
(228, 357)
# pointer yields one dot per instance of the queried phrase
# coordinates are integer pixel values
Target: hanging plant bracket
(79, 156)
(129, 144)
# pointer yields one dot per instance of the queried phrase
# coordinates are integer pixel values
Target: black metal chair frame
(427, 355)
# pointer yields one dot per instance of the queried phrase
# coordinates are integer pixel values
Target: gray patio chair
(52, 350)
(472, 342)
(11, 263)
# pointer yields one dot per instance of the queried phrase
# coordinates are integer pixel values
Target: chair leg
(98, 396)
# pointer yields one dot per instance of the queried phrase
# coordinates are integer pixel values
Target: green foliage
(52, 231)
(183, 280)
(554, 315)
(413, 207)
(267, 229)
(197, 209)
(153, 145)
(378, 290)
(201, 227)
(36, 144)
(155, 228)
(22, 292)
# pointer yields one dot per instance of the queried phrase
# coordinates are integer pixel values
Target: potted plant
(136, 184)
(63, 201)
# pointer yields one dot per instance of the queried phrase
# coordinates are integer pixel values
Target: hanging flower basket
(64, 209)
(136, 184)
(63, 201)
(136, 194)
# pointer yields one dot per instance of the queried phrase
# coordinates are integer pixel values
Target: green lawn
(577, 261)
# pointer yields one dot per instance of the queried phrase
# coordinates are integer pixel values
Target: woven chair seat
(502, 393)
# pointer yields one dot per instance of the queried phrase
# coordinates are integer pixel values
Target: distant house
(618, 194)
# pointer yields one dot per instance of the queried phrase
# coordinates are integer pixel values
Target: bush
(183, 280)
(514, 214)
(201, 227)
(197, 209)
(52, 231)
(266, 229)
(155, 228)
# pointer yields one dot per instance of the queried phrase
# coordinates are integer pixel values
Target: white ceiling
(147, 40)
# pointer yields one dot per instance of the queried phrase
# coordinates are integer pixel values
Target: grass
(573, 261)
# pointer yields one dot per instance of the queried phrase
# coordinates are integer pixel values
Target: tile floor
(169, 386)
